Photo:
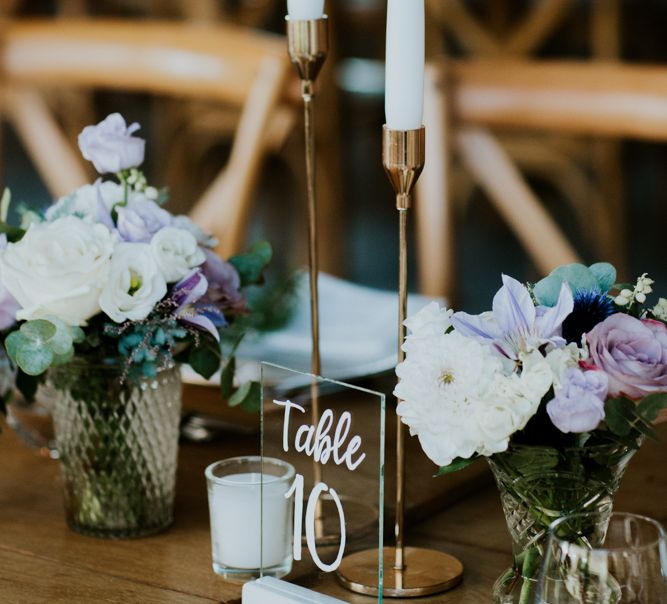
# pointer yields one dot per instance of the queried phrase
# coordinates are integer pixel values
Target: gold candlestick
(307, 45)
(408, 571)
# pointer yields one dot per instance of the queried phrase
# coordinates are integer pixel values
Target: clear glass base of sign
(333, 434)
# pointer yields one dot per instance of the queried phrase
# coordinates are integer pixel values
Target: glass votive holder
(249, 539)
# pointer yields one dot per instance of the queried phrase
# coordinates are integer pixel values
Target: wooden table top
(41, 560)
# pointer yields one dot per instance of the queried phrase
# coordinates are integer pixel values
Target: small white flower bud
(641, 298)
(626, 293)
(621, 300)
(152, 193)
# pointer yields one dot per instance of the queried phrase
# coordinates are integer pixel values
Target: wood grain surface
(41, 560)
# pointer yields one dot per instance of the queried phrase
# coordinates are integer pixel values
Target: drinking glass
(588, 561)
(251, 532)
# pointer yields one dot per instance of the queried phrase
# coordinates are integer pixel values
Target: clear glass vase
(118, 445)
(541, 484)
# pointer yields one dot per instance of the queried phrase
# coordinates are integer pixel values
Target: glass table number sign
(333, 434)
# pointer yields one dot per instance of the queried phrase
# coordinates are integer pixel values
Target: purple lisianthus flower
(516, 325)
(578, 405)
(187, 297)
(632, 353)
(224, 283)
(111, 146)
(140, 219)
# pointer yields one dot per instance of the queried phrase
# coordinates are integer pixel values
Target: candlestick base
(426, 572)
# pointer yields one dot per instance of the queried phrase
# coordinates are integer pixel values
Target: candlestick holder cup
(408, 571)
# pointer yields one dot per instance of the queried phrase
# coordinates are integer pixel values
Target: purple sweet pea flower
(632, 353)
(578, 405)
(515, 325)
(186, 296)
(111, 146)
(224, 289)
(140, 219)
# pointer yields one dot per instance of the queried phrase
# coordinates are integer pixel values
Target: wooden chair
(221, 64)
(585, 172)
(465, 99)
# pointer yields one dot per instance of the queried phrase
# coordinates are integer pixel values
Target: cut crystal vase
(541, 484)
(118, 442)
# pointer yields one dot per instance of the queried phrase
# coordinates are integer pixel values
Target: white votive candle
(240, 540)
(404, 68)
(301, 10)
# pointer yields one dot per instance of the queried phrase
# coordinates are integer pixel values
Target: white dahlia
(460, 397)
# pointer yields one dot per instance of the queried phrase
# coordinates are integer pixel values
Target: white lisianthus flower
(83, 203)
(183, 222)
(459, 398)
(660, 310)
(58, 269)
(561, 359)
(135, 284)
(176, 252)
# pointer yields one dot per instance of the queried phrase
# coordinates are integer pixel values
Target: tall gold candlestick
(408, 571)
(308, 44)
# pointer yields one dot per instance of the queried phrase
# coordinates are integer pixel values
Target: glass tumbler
(622, 563)
(251, 517)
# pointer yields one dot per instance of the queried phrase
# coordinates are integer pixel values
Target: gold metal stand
(308, 44)
(408, 572)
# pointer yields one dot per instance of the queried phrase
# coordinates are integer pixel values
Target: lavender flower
(186, 296)
(224, 283)
(111, 146)
(578, 405)
(632, 353)
(140, 219)
(515, 325)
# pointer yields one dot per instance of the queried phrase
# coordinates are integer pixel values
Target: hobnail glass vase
(541, 484)
(118, 443)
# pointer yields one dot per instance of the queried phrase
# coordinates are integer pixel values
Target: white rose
(111, 146)
(58, 269)
(135, 284)
(176, 252)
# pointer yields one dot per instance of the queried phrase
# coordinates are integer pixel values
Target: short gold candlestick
(408, 572)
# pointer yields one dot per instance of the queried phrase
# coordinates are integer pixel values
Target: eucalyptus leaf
(605, 274)
(31, 356)
(252, 403)
(250, 266)
(239, 396)
(39, 330)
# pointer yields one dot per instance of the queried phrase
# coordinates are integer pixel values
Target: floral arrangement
(571, 361)
(108, 274)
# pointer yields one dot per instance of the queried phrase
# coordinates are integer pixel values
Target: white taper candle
(302, 10)
(404, 69)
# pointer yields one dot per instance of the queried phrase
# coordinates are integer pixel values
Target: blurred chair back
(233, 66)
(465, 99)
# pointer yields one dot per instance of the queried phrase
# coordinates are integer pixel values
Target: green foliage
(250, 266)
(458, 464)
(247, 397)
(41, 343)
(629, 420)
(205, 357)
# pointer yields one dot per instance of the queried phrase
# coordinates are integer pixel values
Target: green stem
(531, 561)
